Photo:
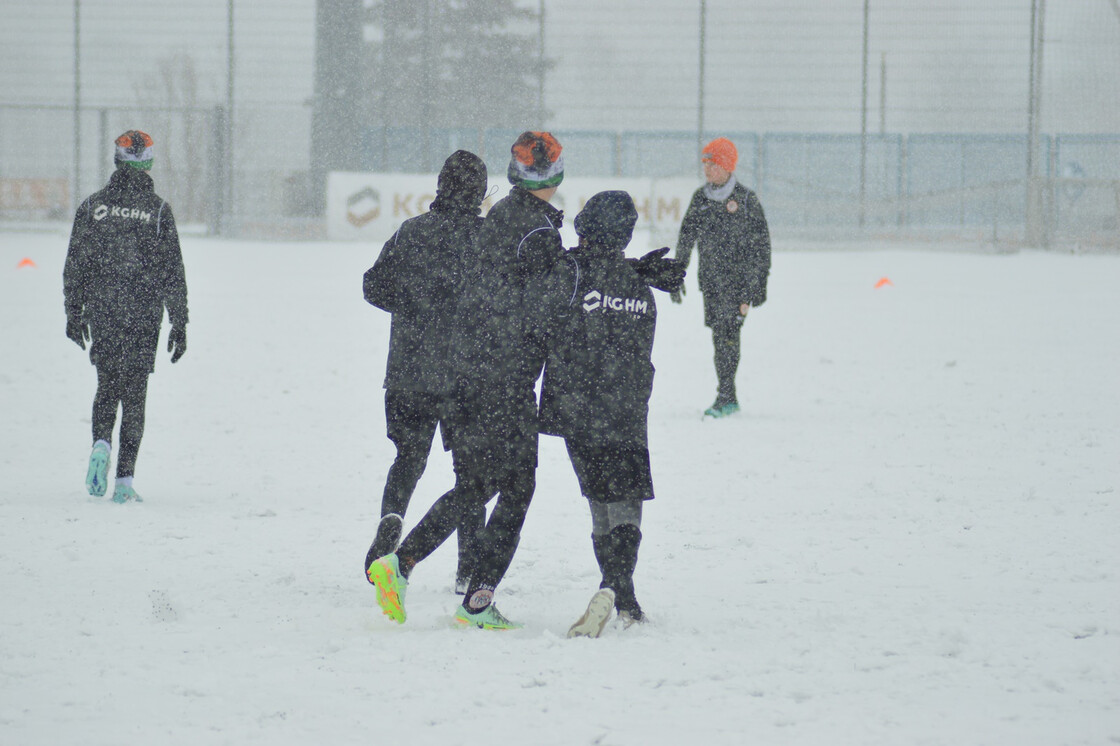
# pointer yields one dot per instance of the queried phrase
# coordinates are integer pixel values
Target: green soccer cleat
(488, 618)
(385, 574)
(123, 493)
(722, 409)
(97, 476)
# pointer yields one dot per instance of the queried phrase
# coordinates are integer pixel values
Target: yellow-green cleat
(488, 618)
(385, 574)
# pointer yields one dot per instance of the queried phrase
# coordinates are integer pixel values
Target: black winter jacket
(519, 240)
(123, 267)
(597, 321)
(733, 242)
(416, 279)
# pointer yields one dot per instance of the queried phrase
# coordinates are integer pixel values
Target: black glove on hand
(77, 331)
(659, 272)
(678, 295)
(177, 342)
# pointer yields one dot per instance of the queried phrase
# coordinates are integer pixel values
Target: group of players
(481, 307)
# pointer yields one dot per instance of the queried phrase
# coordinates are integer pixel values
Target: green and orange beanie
(134, 149)
(536, 162)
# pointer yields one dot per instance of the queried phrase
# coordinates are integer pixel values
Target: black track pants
(411, 418)
(496, 543)
(725, 340)
(127, 388)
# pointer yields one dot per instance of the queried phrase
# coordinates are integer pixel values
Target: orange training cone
(883, 281)
(26, 262)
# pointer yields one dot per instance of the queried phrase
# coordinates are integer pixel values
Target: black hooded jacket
(418, 275)
(123, 267)
(597, 321)
(416, 278)
(733, 242)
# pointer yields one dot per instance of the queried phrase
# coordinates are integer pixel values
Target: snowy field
(908, 536)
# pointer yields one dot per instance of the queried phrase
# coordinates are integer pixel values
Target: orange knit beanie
(721, 152)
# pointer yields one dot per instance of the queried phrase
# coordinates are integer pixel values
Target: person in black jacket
(123, 267)
(726, 223)
(416, 279)
(597, 321)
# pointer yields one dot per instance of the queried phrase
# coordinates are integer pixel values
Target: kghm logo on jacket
(595, 301)
(103, 211)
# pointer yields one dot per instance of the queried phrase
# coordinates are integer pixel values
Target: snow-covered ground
(908, 536)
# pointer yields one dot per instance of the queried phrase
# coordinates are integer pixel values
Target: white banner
(370, 207)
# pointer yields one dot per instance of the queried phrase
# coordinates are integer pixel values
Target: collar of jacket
(131, 178)
(528, 200)
(723, 191)
(465, 207)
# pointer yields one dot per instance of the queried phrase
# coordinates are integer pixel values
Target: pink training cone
(883, 281)
(25, 262)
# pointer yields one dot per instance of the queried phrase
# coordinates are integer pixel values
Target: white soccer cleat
(596, 617)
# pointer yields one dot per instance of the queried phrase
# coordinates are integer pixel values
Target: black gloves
(659, 272)
(78, 331)
(177, 342)
(677, 295)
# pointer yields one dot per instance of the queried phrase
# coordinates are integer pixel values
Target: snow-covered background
(908, 536)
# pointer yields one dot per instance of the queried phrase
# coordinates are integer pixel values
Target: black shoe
(629, 611)
(387, 539)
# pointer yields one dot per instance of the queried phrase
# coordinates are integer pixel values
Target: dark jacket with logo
(123, 267)
(416, 278)
(733, 243)
(597, 321)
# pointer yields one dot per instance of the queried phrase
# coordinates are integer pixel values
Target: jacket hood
(462, 182)
(607, 219)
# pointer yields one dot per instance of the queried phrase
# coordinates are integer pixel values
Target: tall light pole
(700, 102)
(540, 64)
(863, 119)
(77, 105)
(1035, 233)
(227, 148)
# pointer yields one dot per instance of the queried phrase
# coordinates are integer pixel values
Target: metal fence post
(216, 208)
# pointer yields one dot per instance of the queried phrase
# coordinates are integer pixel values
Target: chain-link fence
(915, 185)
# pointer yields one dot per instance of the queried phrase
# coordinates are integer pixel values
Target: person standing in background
(726, 224)
(123, 267)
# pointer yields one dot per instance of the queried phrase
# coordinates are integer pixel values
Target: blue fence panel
(659, 154)
(589, 153)
(814, 179)
(1086, 196)
(968, 180)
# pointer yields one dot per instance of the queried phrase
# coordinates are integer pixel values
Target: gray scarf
(720, 193)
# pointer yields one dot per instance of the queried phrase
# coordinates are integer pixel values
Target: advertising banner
(370, 207)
